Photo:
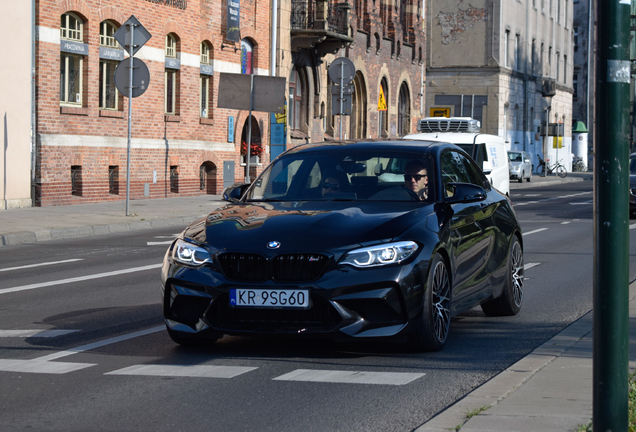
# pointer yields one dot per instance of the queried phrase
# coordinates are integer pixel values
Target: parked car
(489, 151)
(632, 185)
(328, 241)
(520, 166)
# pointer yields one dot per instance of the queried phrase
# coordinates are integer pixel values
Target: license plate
(269, 298)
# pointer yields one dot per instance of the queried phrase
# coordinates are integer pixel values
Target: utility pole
(611, 232)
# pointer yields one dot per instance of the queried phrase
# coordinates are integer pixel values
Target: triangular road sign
(382, 100)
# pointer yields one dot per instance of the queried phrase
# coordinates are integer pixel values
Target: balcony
(322, 25)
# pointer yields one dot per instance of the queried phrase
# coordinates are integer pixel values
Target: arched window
(171, 46)
(383, 116)
(108, 94)
(404, 111)
(358, 120)
(247, 50)
(297, 106)
(205, 81)
(71, 64)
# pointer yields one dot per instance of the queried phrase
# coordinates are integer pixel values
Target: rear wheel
(561, 171)
(432, 331)
(509, 303)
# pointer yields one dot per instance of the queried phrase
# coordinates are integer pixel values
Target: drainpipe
(33, 129)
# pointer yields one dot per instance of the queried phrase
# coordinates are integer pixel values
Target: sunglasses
(417, 177)
(331, 186)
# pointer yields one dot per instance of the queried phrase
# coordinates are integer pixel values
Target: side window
(457, 169)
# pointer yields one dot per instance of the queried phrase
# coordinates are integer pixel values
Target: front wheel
(510, 300)
(432, 330)
(521, 177)
(561, 171)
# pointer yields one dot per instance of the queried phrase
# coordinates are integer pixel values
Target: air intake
(453, 124)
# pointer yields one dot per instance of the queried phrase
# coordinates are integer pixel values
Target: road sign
(342, 71)
(347, 92)
(140, 35)
(140, 81)
(382, 100)
(268, 94)
(440, 112)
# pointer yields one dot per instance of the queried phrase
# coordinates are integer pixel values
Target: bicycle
(544, 166)
(578, 165)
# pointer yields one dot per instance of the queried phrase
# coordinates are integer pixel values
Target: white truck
(489, 151)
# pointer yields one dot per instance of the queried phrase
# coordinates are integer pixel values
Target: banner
(233, 20)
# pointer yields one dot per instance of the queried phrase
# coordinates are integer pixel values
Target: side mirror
(487, 167)
(377, 170)
(235, 192)
(465, 193)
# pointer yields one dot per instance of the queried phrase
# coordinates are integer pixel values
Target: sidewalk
(548, 390)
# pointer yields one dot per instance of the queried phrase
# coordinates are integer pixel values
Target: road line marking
(582, 203)
(194, 371)
(35, 333)
(565, 223)
(534, 232)
(159, 243)
(36, 366)
(530, 265)
(100, 344)
(632, 226)
(79, 279)
(350, 377)
(41, 264)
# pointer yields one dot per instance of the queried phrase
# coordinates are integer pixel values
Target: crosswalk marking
(530, 265)
(534, 232)
(39, 366)
(195, 371)
(35, 333)
(159, 243)
(350, 377)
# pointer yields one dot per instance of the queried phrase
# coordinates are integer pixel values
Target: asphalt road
(105, 362)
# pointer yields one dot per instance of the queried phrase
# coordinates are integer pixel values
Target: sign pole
(130, 98)
(249, 130)
(342, 66)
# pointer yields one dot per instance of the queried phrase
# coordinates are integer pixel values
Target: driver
(416, 178)
(330, 185)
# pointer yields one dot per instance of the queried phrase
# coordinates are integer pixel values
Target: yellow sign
(440, 112)
(557, 142)
(382, 100)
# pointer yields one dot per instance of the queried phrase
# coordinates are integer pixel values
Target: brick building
(182, 144)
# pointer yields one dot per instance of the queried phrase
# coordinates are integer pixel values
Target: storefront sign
(172, 63)
(111, 53)
(230, 129)
(206, 69)
(233, 20)
(179, 4)
(73, 47)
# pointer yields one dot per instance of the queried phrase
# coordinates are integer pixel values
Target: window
(576, 38)
(297, 115)
(558, 64)
(558, 11)
(71, 80)
(71, 27)
(575, 85)
(505, 50)
(517, 53)
(404, 111)
(76, 180)
(71, 65)
(170, 78)
(565, 69)
(108, 95)
(113, 180)
(174, 178)
(542, 63)
(550, 61)
(246, 57)
(565, 13)
(533, 58)
(204, 83)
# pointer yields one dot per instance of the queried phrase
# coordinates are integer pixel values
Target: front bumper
(345, 302)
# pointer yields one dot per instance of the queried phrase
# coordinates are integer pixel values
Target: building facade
(508, 64)
(16, 106)
(182, 144)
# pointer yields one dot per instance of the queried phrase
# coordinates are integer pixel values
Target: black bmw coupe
(349, 240)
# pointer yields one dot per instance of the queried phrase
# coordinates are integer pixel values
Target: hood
(305, 226)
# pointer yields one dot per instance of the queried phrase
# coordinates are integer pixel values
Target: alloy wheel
(517, 274)
(441, 302)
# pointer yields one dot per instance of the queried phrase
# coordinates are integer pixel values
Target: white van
(489, 151)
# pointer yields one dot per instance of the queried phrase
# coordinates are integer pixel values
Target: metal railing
(304, 16)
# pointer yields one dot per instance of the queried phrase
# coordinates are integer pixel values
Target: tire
(529, 178)
(510, 301)
(188, 340)
(431, 331)
(521, 177)
(561, 171)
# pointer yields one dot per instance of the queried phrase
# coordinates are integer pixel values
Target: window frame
(103, 66)
(65, 28)
(64, 89)
(104, 39)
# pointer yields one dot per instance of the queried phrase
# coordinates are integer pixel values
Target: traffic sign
(382, 100)
(140, 80)
(140, 35)
(342, 71)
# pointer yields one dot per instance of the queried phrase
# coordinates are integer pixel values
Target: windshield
(514, 156)
(632, 165)
(346, 175)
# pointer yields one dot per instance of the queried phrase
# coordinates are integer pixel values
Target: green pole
(611, 217)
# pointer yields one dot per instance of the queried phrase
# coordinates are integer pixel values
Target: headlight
(187, 253)
(373, 256)
(516, 168)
